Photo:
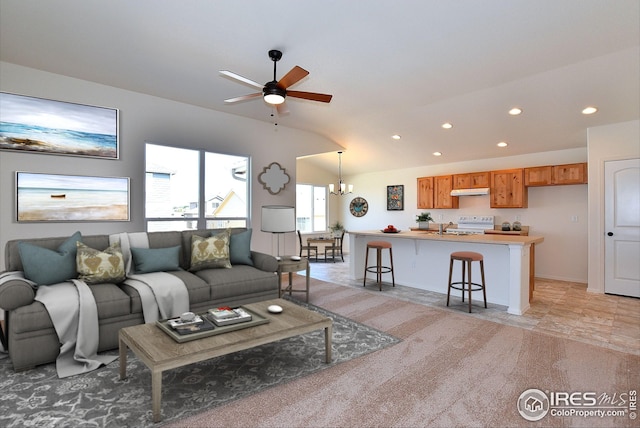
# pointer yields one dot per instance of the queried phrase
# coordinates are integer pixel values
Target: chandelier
(342, 188)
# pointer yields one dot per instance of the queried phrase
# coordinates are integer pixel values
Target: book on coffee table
(227, 316)
(211, 329)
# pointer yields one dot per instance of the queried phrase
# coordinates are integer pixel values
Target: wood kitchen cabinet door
(507, 189)
(472, 180)
(443, 185)
(575, 173)
(538, 176)
(425, 192)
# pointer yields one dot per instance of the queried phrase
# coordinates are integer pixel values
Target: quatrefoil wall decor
(274, 178)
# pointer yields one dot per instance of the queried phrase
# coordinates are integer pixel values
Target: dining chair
(308, 248)
(335, 248)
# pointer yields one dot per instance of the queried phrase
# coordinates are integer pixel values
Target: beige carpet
(449, 370)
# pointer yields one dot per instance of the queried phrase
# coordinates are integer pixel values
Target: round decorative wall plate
(359, 206)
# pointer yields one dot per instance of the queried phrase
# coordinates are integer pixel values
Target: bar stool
(378, 269)
(466, 257)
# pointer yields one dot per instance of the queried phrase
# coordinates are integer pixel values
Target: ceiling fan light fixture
(273, 94)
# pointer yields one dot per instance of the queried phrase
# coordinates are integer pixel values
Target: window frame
(312, 207)
(202, 221)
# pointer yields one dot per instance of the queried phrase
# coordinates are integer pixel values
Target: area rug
(38, 398)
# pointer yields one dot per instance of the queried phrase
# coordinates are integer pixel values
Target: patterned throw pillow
(96, 267)
(210, 252)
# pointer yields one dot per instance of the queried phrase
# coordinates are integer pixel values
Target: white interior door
(622, 227)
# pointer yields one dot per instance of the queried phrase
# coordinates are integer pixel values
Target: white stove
(472, 225)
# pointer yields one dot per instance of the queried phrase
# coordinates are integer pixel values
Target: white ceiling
(392, 66)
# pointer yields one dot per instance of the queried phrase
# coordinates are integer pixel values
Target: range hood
(470, 192)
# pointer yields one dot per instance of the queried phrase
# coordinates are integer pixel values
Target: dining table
(325, 242)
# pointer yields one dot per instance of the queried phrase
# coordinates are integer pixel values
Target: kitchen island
(421, 260)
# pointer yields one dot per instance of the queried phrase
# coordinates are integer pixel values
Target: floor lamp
(278, 219)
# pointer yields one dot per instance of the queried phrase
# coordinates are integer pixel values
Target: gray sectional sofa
(30, 336)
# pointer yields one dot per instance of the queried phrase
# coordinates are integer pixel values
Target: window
(311, 208)
(194, 189)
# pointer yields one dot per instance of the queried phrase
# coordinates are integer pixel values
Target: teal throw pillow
(44, 266)
(147, 260)
(240, 248)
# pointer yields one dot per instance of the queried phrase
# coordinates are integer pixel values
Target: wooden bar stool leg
(379, 269)
(463, 272)
(393, 278)
(484, 290)
(469, 282)
(366, 263)
(450, 273)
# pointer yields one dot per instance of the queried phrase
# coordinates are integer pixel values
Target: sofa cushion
(212, 252)
(239, 281)
(44, 266)
(95, 267)
(111, 300)
(199, 291)
(147, 260)
(240, 248)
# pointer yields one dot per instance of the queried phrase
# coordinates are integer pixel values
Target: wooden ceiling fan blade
(241, 79)
(292, 77)
(243, 98)
(323, 98)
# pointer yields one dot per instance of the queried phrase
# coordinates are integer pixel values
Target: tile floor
(559, 308)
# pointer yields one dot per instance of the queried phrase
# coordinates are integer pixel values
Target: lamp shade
(278, 219)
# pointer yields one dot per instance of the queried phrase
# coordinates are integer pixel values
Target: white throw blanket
(163, 295)
(74, 314)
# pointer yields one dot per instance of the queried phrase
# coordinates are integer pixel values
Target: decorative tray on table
(207, 327)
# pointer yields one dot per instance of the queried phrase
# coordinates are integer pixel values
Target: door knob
(609, 233)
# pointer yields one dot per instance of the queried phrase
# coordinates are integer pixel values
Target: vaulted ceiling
(393, 66)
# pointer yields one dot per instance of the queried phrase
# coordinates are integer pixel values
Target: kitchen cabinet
(551, 175)
(575, 173)
(508, 189)
(425, 192)
(443, 185)
(538, 176)
(473, 180)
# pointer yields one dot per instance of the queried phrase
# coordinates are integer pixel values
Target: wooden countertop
(501, 239)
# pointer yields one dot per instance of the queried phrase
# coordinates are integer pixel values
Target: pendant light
(342, 188)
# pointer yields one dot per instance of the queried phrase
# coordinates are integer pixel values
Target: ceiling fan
(275, 92)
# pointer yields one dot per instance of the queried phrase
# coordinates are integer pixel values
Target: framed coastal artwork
(57, 198)
(395, 197)
(38, 125)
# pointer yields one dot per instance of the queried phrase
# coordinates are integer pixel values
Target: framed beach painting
(395, 198)
(57, 198)
(38, 125)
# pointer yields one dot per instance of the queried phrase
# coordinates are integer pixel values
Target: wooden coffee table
(159, 352)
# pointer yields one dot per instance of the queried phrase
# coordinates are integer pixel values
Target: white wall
(562, 256)
(145, 118)
(606, 143)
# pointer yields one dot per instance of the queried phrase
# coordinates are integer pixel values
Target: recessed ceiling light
(396, 137)
(589, 110)
(437, 154)
(447, 125)
(502, 144)
(515, 111)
